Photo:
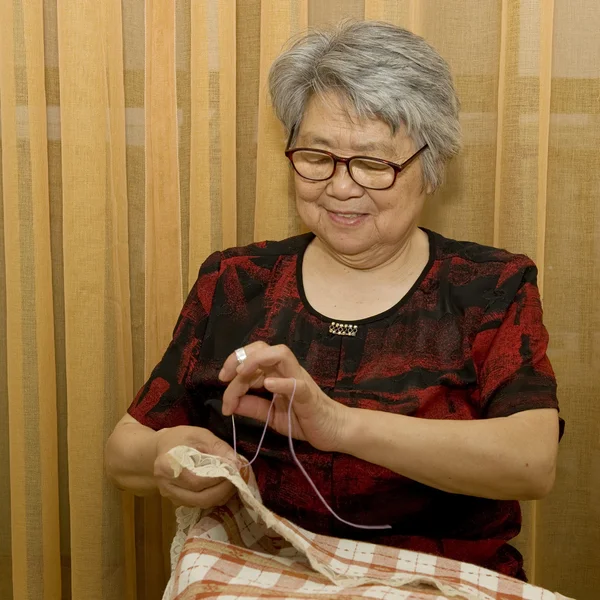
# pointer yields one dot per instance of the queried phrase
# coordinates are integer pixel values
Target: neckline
(386, 313)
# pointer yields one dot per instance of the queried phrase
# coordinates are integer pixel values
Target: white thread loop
(297, 461)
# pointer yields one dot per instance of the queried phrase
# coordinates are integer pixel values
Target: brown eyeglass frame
(398, 168)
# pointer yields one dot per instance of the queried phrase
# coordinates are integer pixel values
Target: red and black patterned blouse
(466, 342)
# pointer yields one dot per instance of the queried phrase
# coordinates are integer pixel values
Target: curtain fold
(568, 533)
(163, 275)
(31, 368)
(213, 168)
(137, 137)
(274, 214)
(96, 289)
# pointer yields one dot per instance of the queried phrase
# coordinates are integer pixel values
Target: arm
(502, 458)
(508, 453)
(511, 457)
(130, 455)
(511, 454)
(135, 459)
(159, 418)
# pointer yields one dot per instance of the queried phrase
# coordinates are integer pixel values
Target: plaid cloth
(244, 551)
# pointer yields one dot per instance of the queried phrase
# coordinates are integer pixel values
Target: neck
(382, 261)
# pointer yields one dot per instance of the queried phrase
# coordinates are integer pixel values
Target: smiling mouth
(347, 219)
(348, 215)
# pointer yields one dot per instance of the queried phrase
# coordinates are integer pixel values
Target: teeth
(349, 216)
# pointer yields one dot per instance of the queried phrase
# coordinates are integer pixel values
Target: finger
(230, 365)
(258, 378)
(251, 379)
(268, 357)
(238, 388)
(281, 385)
(209, 443)
(265, 358)
(194, 483)
(231, 396)
(227, 495)
(208, 498)
(253, 407)
(215, 446)
(186, 479)
(303, 393)
(206, 443)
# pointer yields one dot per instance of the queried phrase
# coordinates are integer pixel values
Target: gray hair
(383, 71)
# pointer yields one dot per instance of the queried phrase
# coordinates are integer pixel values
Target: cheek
(385, 201)
(405, 196)
(307, 192)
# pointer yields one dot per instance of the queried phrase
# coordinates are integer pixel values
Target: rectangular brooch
(343, 329)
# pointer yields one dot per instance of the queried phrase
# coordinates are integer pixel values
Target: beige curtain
(137, 137)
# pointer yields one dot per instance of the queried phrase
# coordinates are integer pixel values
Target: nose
(342, 186)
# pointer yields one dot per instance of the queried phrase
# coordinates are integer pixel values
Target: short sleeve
(164, 401)
(509, 350)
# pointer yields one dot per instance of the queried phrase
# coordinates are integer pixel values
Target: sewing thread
(297, 461)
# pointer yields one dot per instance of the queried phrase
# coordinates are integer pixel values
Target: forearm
(502, 458)
(129, 458)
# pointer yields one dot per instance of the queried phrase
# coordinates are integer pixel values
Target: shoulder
(267, 253)
(474, 253)
(484, 274)
(264, 254)
(478, 258)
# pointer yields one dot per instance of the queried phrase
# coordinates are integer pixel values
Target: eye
(371, 166)
(316, 159)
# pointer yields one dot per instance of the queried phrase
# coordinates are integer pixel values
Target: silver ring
(241, 355)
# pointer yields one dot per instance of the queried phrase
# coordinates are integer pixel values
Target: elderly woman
(423, 397)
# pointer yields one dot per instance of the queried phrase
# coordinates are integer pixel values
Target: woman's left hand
(316, 418)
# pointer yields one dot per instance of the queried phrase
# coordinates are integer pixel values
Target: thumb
(287, 387)
(218, 447)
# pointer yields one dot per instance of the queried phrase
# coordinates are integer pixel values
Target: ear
(427, 188)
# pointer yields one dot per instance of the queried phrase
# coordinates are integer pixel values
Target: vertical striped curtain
(137, 136)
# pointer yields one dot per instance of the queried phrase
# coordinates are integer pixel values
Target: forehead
(332, 123)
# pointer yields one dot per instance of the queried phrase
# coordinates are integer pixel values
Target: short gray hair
(383, 71)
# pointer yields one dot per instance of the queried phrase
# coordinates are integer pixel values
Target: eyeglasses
(368, 172)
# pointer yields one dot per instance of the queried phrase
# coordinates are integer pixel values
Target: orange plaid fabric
(243, 551)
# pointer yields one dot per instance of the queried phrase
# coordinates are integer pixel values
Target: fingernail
(221, 374)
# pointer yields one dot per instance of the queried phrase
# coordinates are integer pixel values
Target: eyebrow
(381, 147)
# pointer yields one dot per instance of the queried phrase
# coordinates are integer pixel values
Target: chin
(350, 241)
(348, 244)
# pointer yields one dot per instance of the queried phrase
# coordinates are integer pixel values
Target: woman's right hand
(189, 489)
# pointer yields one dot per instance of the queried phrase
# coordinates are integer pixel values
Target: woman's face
(361, 224)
